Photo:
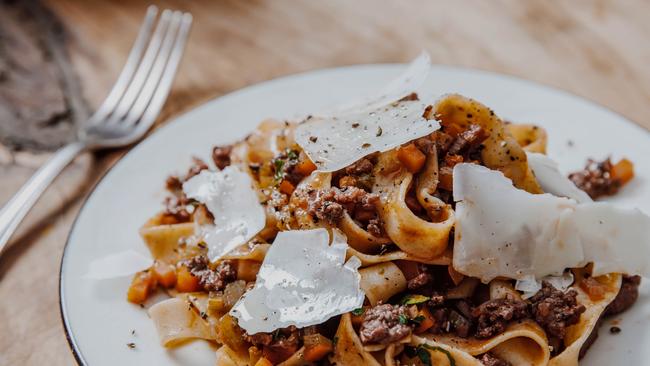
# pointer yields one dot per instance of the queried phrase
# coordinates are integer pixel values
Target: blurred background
(58, 59)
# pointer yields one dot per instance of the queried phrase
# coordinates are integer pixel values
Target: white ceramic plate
(98, 320)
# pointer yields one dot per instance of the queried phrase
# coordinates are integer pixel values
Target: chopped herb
(335, 340)
(417, 320)
(358, 311)
(403, 319)
(414, 299)
(131, 345)
(278, 164)
(201, 245)
(276, 334)
(424, 355)
(292, 155)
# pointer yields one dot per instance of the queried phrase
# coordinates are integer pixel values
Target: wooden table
(59, 58)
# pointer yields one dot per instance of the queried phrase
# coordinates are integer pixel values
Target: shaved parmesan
(530, 286)
(333, 143)
(229, 196)
(406, 83)
(552, 180)
(303, 281)
(117, 265)
(379, 122)
(507, 232)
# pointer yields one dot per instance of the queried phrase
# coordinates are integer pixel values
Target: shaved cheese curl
(502, 231)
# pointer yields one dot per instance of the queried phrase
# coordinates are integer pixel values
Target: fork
(127, 113)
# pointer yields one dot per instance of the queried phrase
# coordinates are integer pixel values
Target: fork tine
(129, 67)
(143, 69)
(150, 101)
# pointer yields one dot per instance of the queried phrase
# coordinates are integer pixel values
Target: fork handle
(17, 207)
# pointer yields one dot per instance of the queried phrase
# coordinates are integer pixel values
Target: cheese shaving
(379, 122)
(507, 232)
(552, 180)
(118, 265)
(238, 215)
(303, 281)
(333, 143)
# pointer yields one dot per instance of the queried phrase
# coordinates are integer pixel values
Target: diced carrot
(165, 274)
(347, 181)
(263, 362)
(411, 157)
(305, 166)
(623, 171)
(593, 288)
(286, 187)
(186, 281)
(456, 276)
(142, 285)
(317, 347)
(278, 354)
(410, 269)
(247, 269)
(445, 178)
(426, 322)
(452, 160)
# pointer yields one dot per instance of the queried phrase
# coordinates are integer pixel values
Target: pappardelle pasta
(397, 231)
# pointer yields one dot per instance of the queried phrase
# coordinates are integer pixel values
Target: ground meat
(595, 179)
(197, 166)
(488, 359)
(277, 346)
(423, 278)
(175, 207)
(173, 184)
(363, 166)
(468, 139)
(212, 279)
(443, 142)
(381, 324)
(555, 310)
(460, 325)
(494, 315)
(626, 297)
(221, 156)
(329, 205)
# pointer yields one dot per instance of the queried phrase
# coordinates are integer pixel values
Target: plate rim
(70, 338)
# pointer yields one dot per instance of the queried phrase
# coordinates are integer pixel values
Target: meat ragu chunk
(555, 310)
(626, 297)
(488, 359)
(212, 279)
(221, 156)
(277, 346)
(467, 140)
(596, 179)
(176, 204)
(330, 204)
(381, 324)
(494, 315)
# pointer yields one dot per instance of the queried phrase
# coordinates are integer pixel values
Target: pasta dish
(399, 229)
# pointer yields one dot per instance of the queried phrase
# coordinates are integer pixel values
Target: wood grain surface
(59, 58)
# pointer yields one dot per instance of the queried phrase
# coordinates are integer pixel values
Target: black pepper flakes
(379, 131)
(131, 345)
(313, 138)
(365, 145)
(614, 330)
(355, 125)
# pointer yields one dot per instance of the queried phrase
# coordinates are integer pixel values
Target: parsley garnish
(423, 354)
(278, 164)
(403, 319)
(358, 311)
(414, 299)
(417, 320)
